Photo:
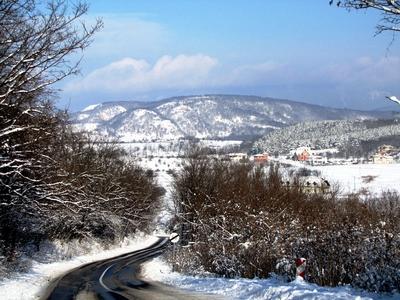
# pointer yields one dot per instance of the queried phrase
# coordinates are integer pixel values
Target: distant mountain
(209, 116)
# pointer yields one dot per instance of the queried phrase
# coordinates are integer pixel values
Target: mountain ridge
(205, 116)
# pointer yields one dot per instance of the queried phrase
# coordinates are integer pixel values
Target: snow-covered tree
(37, 41)
(55, 183)
(390, 11)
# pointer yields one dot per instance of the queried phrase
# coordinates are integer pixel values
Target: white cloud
(360, 73)
(138, 76)
(362, 82)
(367, 71)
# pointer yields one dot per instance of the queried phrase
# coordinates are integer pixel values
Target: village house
(313, 184)
(379, 158)
(310, 184)
(302, 154)
(261, 159)
(385, 154)
(386, 149)
(317, 160)
(237, 156)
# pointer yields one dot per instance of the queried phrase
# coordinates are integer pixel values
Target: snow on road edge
(255, 289)
(29, 285)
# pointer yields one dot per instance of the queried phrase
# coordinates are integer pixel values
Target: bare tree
(390, 11)
(39, 41)
(36, 45)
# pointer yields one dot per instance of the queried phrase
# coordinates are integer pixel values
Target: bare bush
(237, 220)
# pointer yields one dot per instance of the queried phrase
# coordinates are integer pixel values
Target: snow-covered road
(29, 286)
(117, 278)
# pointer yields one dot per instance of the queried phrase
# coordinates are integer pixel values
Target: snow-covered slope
(143, 124)
(211, 116)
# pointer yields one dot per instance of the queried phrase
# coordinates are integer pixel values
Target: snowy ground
(353, 178)
(217, 144)
(259, 289)
(28, 286)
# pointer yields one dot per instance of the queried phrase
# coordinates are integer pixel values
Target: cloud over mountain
(134, 75)
(361, 82)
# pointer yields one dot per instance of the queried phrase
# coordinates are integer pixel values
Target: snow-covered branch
(390, 11)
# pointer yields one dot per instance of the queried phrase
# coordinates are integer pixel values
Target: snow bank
(29, 285)
(272, 288)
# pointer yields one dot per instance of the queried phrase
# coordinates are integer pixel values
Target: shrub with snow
(239, 221)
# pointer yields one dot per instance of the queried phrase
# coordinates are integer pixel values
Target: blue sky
(300, 50)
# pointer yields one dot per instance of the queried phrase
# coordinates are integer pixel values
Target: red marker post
(301, 267)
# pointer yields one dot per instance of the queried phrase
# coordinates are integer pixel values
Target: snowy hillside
(143, 124)
(212, 116)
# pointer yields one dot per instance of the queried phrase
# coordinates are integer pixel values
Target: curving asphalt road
(115, 279)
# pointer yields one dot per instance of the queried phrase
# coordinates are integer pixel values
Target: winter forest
(54, 183)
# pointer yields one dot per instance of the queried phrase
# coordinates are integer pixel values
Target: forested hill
(329, 134)
(210, 116)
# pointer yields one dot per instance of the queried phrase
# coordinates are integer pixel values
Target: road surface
(116, 278)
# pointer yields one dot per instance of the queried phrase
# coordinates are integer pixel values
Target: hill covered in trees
(353, 135)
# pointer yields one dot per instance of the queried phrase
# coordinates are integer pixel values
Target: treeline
(366, 148)
(54, 183)
(239, 221)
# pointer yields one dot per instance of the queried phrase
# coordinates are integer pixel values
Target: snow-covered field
(162, 166)
(353, 178)
(374, 178)
(156, 149)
